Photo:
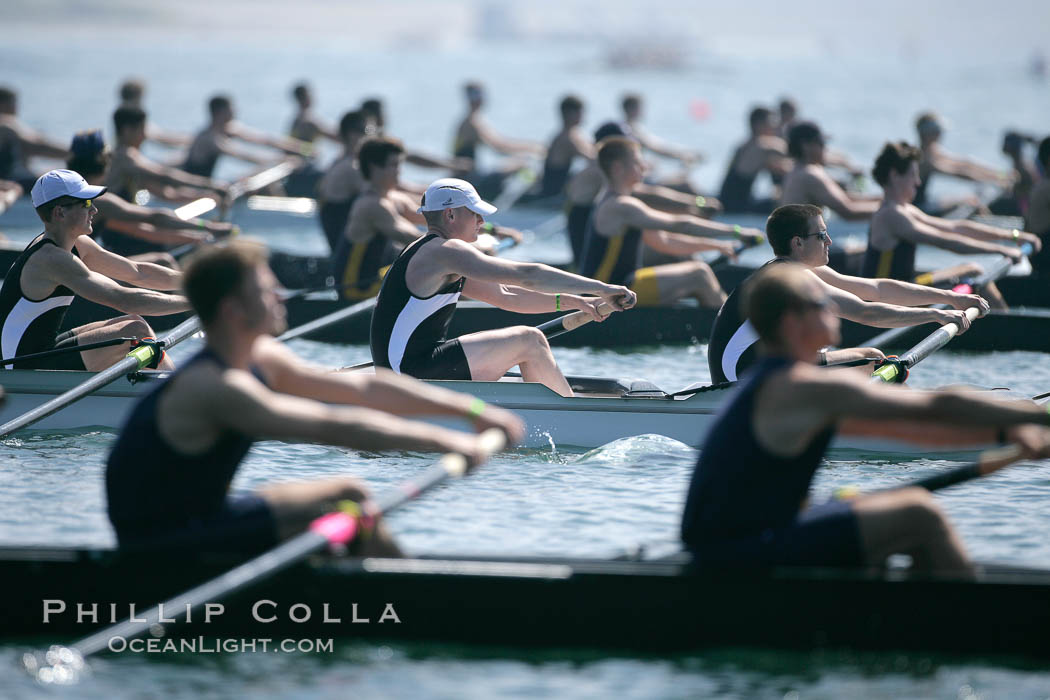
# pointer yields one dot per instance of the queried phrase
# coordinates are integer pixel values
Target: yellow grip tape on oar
(144, 355)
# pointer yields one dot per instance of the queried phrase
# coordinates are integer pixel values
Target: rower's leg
(909, 521)
(664, 284)
(295, 505)
(122, 326)
(491, 353)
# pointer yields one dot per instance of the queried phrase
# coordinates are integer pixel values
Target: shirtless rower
(632, 117)
(934, 159)
(187, 438)
(1038, 218)
(19, 143)
(50, 274)
(899, 226)
(131, 94)
(474, 131)
(1014, 201)
(787, 116)
(342, 182)
(798, 234)
(130, 170)
(127, 229)
(419, 295)
(382, 222)
(747, 504)
(218, 139)
(567, 145)
(622, 223)
(763, 151)
(307, 126)
(810, 183)
(584, 187)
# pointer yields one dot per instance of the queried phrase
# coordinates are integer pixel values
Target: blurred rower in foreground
(748, 501)
(187, 438)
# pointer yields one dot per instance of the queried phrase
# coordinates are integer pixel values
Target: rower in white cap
(419, 295)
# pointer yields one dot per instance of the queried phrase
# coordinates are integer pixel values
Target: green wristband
(487, 227)
(737, 229)
(701, 202)
(557, 302)
(476, 408)
(1017, 235)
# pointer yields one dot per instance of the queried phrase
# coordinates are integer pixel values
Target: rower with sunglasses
(798, 234)
(63, 263)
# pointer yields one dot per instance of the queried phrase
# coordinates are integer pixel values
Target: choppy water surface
(551, 501)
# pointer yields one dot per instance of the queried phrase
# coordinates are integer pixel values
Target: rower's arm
(965, 168)
(882, 315)
(637, 215)
(386, 222)
(384, 391)
(226, 146)
(243, 404)
(120, 214)
(289, 145)
(668, 199)
(504, 145)
(424, 160)
(77, 276)
(679, 244)
(825, 192)
(581, 145)
(896, 292)
(459, 258)
(164, 175)
(140, 274)
(34, 143)
(917, 230)
(662, 148)
(979, 231)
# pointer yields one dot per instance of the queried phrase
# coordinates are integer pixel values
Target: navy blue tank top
(149, 485)
(611, 259)
(738, 489)
(897, 263)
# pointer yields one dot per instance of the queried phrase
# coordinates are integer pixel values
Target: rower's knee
(137, 326)
(919, 512)
(535, 342)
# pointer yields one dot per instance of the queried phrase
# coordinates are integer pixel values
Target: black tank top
(150, 485)
(405, 326)
(738, 489)
(732, 349)
(897, 263)
(334, 216)
(736, 189)
(611, 259)
(29, 325)
(357, 265)
(576, 223)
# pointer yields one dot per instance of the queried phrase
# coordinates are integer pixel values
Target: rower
(342, 182)
(622, 223)
(131, 93)
(127, 229)
(567, 145)
(19, 143)
(1038, 217)
(934, 159)
(899, 226)
(419, 295)
(747, 501)
(10, 191)
(474, 131)
(375, 118)
(186, 439)
(308, 129)
(763, 151)
(1014, 200)
(585, 186)
(632, 119)
(810, 183)
(217, 139)
(383, 221)
(130, 170)
(63, 263)
(798, 234)
(787, 115)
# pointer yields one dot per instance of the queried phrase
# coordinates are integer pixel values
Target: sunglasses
(822, 235)
(86, 203)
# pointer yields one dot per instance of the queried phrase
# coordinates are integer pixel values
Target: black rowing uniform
(736, 192)
(334, 216)
(576, 223)
(744, 506)
(160, 498)
(409, 332)
(32, 325)
(897, 263)
(732, 349)
(202, 156)
(359, 267)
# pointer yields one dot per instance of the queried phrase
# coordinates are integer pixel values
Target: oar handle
(896, 371)
(571, 321)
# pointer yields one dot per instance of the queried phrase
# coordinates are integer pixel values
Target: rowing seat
(615, 387)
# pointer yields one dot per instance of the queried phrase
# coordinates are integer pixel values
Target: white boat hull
(586, 421)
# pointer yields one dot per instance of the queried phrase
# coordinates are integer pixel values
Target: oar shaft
(989, 461)
(327, 320)
(933, 342)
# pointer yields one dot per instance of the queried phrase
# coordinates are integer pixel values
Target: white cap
(451, 193)
(63, 183)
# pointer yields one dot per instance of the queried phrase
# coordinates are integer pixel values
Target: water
(552, 501)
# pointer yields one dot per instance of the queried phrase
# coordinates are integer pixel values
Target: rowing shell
(603, 410)
(642, 606)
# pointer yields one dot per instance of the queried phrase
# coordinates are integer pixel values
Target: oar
(257, 181)
(987, 462)
(993, 273)
(897, 369)
(139, 358)
(66, 350)
(332, 530)
(328, 319)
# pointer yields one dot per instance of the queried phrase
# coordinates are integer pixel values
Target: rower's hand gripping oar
(993, 273)
(895, 369)
(138, 359)
(63, 664)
